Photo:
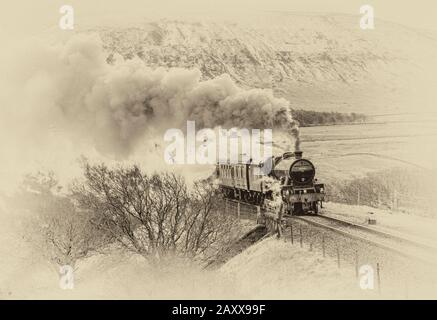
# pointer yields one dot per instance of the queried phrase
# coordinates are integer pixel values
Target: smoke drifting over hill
(71, 88)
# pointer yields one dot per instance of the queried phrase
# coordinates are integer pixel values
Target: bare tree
(153, 215)
(207, 228)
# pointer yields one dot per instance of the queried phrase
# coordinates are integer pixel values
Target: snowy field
(348, 151)
(288, 272)
(270, 269)
(416, 228)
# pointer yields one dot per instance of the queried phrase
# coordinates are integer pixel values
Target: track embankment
(251, 237)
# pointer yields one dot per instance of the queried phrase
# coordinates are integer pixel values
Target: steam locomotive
(293, 176)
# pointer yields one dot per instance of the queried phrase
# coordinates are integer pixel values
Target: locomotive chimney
(298, 154)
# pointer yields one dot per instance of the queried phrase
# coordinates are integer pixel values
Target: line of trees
(312, 118)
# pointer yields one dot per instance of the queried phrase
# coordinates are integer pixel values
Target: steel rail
(378, 244)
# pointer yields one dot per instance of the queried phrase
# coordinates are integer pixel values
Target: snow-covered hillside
(318, 62)
(274, 269)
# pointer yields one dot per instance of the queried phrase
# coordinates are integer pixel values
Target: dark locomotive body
(249, 182)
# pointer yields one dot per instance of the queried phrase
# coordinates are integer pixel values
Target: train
(251, 183)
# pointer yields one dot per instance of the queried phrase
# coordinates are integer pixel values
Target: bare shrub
(154, 215)
(208, 229)
(54, 226)
(396, 188)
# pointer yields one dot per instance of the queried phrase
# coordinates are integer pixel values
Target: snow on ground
(274, 269)
(24, 274)
(270, 269)
(118, 276)
(345, 152)
(317, 62)
(422, 229)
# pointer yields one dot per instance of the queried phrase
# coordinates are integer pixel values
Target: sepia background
(83, 109)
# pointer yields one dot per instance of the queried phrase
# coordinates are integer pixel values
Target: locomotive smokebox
(298, 154)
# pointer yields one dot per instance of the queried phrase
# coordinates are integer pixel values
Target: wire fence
(242, 210)
(394, 276)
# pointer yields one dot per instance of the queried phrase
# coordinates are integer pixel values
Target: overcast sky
(29, 15)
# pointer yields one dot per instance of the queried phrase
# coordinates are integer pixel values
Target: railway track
(396, 244)
(393, 243)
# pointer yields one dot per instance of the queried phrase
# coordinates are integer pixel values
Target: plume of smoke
(72, 87)
(62, 100)
(296, 135)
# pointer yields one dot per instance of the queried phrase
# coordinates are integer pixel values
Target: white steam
(70, 90)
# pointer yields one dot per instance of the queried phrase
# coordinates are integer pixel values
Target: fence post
(238, 210)
(291, 233)
(356, 264)
(323, 245)
(301, 238)
(279, 221)
(378, 273)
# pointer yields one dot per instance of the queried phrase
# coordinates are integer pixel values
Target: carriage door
(247, 174)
